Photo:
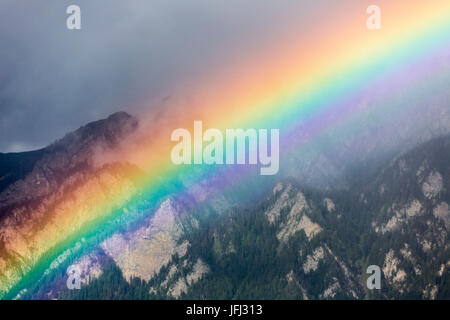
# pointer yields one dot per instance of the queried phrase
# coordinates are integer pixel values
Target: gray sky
(53, 80)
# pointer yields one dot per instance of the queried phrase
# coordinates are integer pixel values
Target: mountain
(31, 175)
(302, 243)
(296, 243)
(43, 184)
(294, 237)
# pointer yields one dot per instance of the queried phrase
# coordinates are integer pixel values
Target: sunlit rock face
(297, 219)
(143, 252)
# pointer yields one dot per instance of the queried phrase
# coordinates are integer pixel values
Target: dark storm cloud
(53, 80)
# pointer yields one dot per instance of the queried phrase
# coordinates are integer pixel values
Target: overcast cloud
(53, 80)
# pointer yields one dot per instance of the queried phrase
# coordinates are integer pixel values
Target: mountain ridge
(304, 243)
(309, 220)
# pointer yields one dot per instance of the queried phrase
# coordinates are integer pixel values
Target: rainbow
(289, 84)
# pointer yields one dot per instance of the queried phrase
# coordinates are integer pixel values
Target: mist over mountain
(307, 233)
(297, 242)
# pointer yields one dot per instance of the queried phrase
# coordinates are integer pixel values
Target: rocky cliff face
(409, 205)
(65, 158)
(142, 253)
(38, 211)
